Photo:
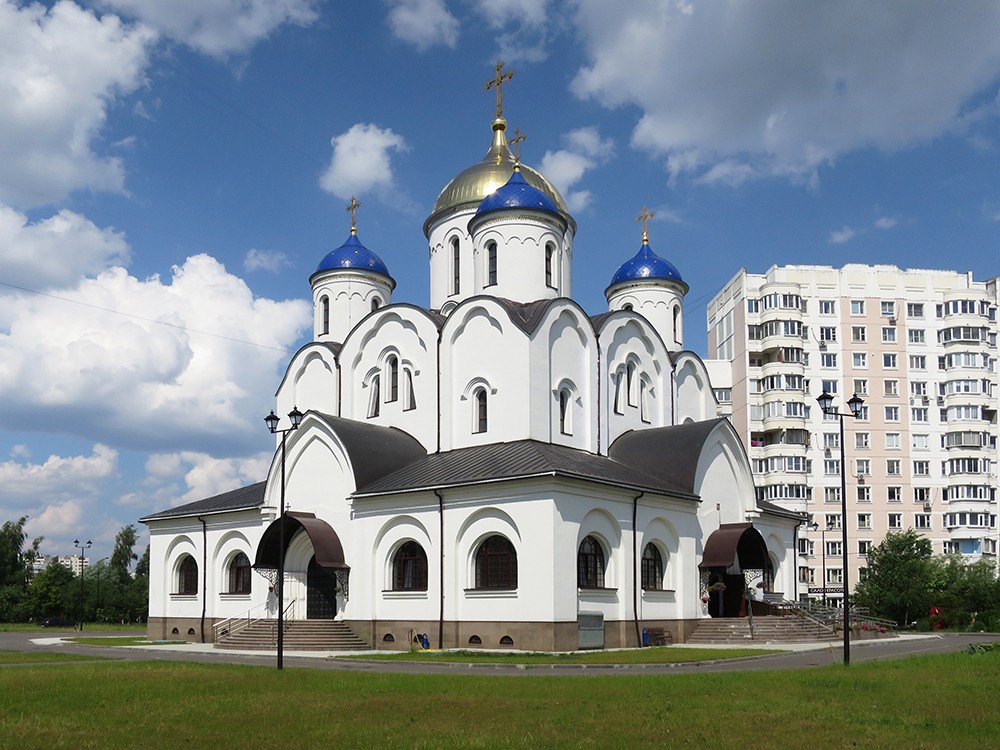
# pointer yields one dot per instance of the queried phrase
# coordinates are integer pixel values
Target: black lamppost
(82, 548)
(272, 424)
(826, 404)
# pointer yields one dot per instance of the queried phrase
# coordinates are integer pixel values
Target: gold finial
(644, 217)
(516, 143)
(498, 81)
(353, 207)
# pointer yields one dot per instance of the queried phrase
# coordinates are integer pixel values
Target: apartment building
(920, 347)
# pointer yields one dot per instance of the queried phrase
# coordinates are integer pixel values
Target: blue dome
(353, 255)
(517, 193)
(645, 264)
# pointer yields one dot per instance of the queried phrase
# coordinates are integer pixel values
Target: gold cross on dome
(498, 81)
(353, 207)
(516, 143)
(644, 217)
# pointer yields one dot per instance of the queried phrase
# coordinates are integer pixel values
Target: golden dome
(471, 185)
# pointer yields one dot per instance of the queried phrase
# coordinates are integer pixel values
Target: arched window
(239, 575)
(677, 324)
(590, 564)
(550, 252)
(187, 576)
(619, 382)
(652, 568)
(374, 397)
(491, 264)
(565, 412)
(479, 399)
(630, 383)
(393, 367)
(409, 568)
(325, 308)
(411, 395)
(496, 564)
(456, 278)
(643, 401)
(376, 303)
(627, 306)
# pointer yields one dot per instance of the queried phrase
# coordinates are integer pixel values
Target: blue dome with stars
(646, 264)
(352, 255)
(517, 193)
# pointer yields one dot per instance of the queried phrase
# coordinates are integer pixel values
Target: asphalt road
(861, 651)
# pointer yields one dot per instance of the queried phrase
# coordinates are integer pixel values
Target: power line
(147, 320)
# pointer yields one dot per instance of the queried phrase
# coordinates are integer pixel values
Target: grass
(41, 657)
(661, 655)
(925, 702)
(103, 627)
(119, 640)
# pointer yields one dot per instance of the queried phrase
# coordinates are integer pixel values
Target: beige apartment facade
(920, 347)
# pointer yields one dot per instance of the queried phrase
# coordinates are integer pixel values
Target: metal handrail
(233, 625)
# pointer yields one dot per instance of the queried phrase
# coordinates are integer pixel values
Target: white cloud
(885, 222)
(265, 260)
(423, 23)
(125, 380)
(360, 160)
(59, 477)
(61, 69)
(56, 251)
(500, 13)
(205, 475)
(782, 88)
(218, 28)
(842, 235)
(585, 149)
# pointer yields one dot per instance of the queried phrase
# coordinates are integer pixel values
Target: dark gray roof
(244, 498)
(768, 507)
(526, 315)
(375, 451)
(517, 460)
(598, 320)
(668, 453)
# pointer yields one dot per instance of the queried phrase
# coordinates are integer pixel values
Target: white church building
(500, 469)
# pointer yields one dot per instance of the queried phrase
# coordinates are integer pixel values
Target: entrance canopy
(733, 542)
(326, 544)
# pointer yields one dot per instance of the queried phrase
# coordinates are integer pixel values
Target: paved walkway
(793, 656)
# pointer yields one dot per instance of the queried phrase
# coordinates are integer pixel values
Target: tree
(55, 592)
(123, 556)
(15, 569)
(901, 577)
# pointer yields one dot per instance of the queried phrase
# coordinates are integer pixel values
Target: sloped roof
(668, 453)
(245, 498)
(516, 460)
(375, 451)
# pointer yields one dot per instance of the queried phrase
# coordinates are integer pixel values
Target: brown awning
(326, 544)
(735, 541)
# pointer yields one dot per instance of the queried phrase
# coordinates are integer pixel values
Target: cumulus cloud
(186, 363)
(265, 260)
(204, 475)
(733, 91)
(423, 23)
(56, 251)
(218, 28)
(61, 69)
(842, 235)
(584, 149)
(58, 477)
(885, 222)
(361, 160)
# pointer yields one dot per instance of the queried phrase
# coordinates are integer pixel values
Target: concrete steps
(767, 629)
(300, 635)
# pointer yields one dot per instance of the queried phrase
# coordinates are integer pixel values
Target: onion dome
(646, 265)
(472, 185)
(352, 255)
(517, 193)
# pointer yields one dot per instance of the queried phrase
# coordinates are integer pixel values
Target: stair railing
(233, 625)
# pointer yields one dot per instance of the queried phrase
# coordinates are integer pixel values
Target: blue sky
(171, 174)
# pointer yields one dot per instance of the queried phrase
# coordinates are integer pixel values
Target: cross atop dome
(353, 207)
(497, 82)
(644, 218)
(516, 141)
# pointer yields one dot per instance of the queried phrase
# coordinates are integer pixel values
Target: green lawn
(944, 701)
(662, 655)
(42, 657)
(118, 640)
(102, 627)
